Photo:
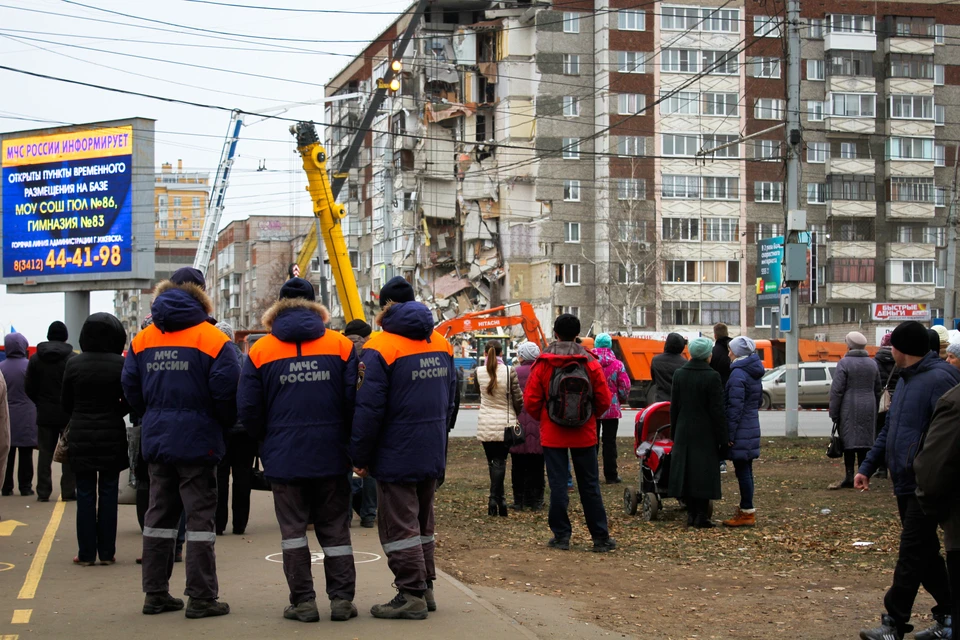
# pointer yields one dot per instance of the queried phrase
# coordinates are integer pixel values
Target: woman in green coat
(699, 434)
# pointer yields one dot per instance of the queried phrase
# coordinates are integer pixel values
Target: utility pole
(793, 250)
(950, 290)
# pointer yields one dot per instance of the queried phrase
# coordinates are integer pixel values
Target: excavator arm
(329, 213)
(493, 318)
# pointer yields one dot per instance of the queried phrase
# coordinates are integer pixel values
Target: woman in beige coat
(501, 400)
(4, 428)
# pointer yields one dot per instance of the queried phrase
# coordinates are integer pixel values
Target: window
(844, 23)
(714, 312)
(571, 64)
(680, 271)
(767, 149)
(720, 20)
(852, 187)
(571, 106)
(571, 22)
(681, 187)
(814, 111)
(681, 229)
(163, 225)
(721, 188)
(682, 102)
(939, 155)
(938, 35)
(816, 193)
(631, 189)
(695, 61)
(720, 104)
(680, 60)
(631, 103)
(763, 317)
(176, 202)
(681, 312)
(768, 191)
(179, 234)
(720, 63)
(571, 148)
(848, 150)
(814, 374)
(766, 67)
(939, 115)
(629, 146)
(636, 316)
(766, 26)
(630, 62)
(571, 232)
(680, 18)
(571, 191)
(769, 109)
(910, 27)
(720, 271)
(852, 270)
(196, 202)
(911, 189)
(850, 63)
(632, 231)
(916, 271)
(721, 230)
(767, 230)
(935, 235)
(631, 20)
(818, 316)
(675, 144)
(940, 197)
(571, 275)
(815, 29)
(815, 70)
(939, 75)
(911, 107)
(818, 152)
(716, 140)
(853, 105)
(911, 65)
(629, 273)
(910, 149)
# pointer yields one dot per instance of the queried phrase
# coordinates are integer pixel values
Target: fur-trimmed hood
(296, 319)
(411, 320)
(178, 307)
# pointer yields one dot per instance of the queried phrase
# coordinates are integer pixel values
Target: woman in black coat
(97, 437)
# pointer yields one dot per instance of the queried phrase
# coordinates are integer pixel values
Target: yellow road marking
(10, 636)
(21, 616)
(32, 581)
(7, 527)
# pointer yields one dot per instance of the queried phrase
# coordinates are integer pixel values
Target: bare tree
(276, 275)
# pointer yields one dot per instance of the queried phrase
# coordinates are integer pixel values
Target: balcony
(851, 84)
(842, 124)
(842, 249)
(910, 292)
(911, 251)
(850, 40)
(852, 166)
(910, 128)
(842, 291)
(908, 44)
(852, 208)
(908, 168)
(909, 86)
(910, 210)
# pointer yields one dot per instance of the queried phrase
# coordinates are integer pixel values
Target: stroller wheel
(630, 501)
(651, 506)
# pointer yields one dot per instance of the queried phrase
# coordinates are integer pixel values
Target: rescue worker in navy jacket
(296, 394)
(181, 375)
(405, 397)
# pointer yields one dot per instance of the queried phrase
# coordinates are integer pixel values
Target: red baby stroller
(652, 443)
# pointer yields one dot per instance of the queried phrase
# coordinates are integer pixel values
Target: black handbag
(513, 434)
(258, 481)
(835, 448)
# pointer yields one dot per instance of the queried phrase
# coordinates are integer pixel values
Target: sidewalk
(96, 603)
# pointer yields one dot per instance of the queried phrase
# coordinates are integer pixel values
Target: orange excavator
(495, 318)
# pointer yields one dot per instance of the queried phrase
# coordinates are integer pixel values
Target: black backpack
(570, 402)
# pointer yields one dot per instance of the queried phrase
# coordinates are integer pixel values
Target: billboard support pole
(793, 146)
(76, 308)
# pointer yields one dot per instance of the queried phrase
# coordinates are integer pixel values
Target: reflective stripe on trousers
(152, 532)
(293, 543)
(400, 545)
(201, 536)
(333, 552)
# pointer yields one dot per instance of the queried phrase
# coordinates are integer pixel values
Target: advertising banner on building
(900, 311)
(67, 203)
(769, 260)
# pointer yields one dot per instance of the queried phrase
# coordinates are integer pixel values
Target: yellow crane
(329, 213)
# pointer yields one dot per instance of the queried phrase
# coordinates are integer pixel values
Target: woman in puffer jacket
(501, 401)
(527, 468)
(619, 384)
(743, 395)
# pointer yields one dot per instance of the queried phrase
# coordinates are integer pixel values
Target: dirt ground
(799, 573)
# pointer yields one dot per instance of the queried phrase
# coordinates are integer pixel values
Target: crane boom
(211, 220)
(329, 213)
(489, 318)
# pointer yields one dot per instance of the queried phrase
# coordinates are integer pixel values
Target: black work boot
(405, 606)
(429, 597)
(942, 629)
(888, 630)
(341, 610)
(498, 474)
(305, 611)
(156, 603)
(197, 608)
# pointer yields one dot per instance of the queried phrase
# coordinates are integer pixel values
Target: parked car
(815, 381)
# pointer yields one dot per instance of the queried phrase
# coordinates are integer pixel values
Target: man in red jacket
(580, 440)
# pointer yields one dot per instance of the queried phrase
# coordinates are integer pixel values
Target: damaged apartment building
(588, 157)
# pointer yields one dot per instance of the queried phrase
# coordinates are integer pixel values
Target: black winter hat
(297, 288)
(57, 332)
(357, 328)
(911, 338)
(396, 290)
(183, 275)
(934, 338)
(566, 326)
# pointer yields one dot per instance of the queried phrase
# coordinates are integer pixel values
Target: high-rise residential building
(625, 161)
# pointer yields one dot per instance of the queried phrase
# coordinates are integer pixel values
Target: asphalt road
(772, 423)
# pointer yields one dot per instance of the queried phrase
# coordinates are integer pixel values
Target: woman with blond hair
(501, 401)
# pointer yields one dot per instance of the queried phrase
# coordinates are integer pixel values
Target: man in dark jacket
(663, 366)
(720, 360)
(406, 389)
(924, 379)
(297, 394)
(44, 382)
(365, 489)
(889, 376)
(563, 444)
(181, 375)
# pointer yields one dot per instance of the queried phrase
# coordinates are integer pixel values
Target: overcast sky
(45, 36)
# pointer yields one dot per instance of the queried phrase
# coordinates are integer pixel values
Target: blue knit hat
(603, 341)
(701, 348)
